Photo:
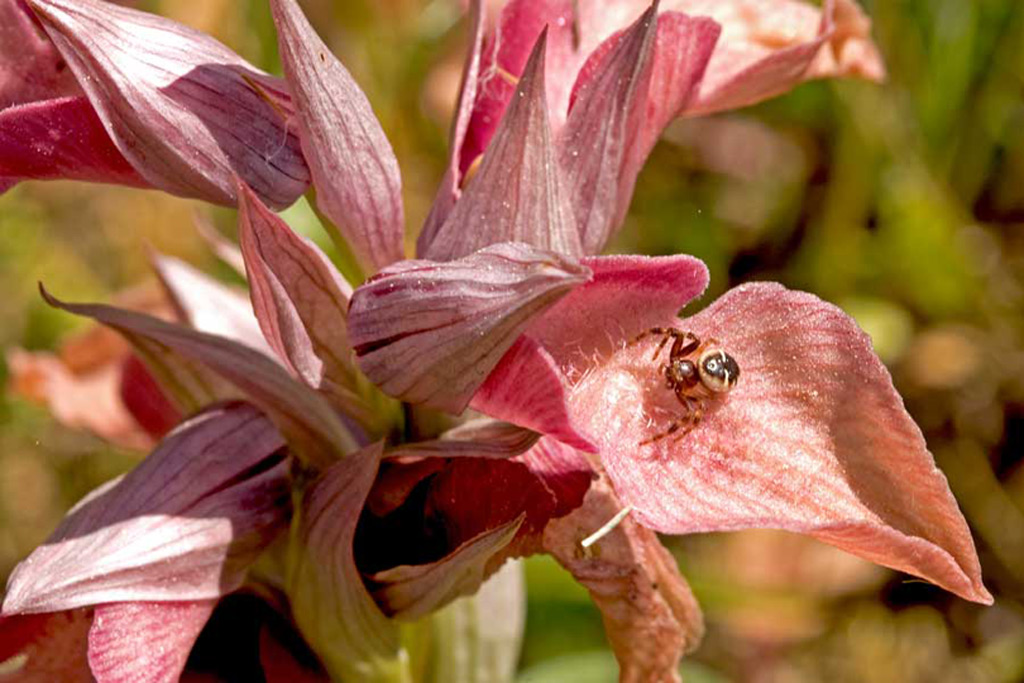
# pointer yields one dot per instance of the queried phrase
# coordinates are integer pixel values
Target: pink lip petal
(183, 525)
(179, 105)
(566, 473)
(516, 196)
(60, 138)
(151, 641)
(354, 169)
(431, 332)
(813, 439)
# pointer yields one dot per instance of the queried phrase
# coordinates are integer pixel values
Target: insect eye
(719, 371)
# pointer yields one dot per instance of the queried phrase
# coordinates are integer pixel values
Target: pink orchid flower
(507, 313)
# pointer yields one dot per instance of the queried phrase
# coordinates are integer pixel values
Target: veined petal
(208, 305)
(60, 138)
(631, 87)
(480, 438)
(182, 108)
(813, 439)
(430, 332)
(356, 175)
(183, 525)
(301, 302)
(312, 428)
(768, 47)
(628, 294)
(331, 605)
(410, 592)
(150, 641)
(516, 196)
(650, 615)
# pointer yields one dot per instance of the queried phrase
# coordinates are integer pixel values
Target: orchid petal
(355, 172)
(409, 592)
(331, 605)
(301, 302)
(183, 525)
(481, 438)
(312, 429)
(767, 48)
(60, 138)
(650, 615)
(185, 111)
(516, 196)
(448, 192)
(627, 295)
(632, 86)
(527, 388)
(208, 305)
(813, 439)
(431, 332)
(151, 641)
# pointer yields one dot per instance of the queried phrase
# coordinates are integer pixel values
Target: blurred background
(902, 203)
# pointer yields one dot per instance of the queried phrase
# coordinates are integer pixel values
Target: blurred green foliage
(903, 202)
